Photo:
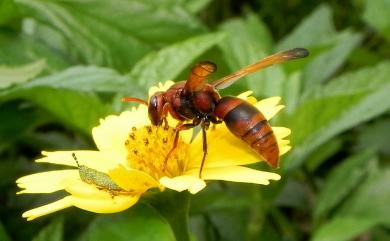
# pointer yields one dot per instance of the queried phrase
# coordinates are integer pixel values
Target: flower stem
(174, 207)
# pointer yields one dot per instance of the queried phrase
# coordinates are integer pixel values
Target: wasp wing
(198, 75)
(261, 64)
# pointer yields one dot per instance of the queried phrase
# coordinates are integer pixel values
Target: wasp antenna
(133, 99)
(75, 159)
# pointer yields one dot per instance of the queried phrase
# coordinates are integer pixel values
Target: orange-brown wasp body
(194, 102)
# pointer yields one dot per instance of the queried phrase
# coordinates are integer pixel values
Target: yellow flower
(130, 161)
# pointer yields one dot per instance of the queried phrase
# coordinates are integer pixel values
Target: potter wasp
(195, 102)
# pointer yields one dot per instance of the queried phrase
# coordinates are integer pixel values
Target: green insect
(99, 179)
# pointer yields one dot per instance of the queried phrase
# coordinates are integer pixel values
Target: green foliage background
(65, 63)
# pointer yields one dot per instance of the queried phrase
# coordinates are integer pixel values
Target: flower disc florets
(148, 148)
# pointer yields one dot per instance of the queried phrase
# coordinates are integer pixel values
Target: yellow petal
(161, 87)
(46, 182)
(104, 205)
(271, 112)
(269, 106)
(113, 131)
(268, 103)
(238, 174)
(224, 149)
(132, 180)
(282, 142)
(180, 183)
(245, 94)
(284, 149)
(78, 188)
(46, 209)
(101, 161)
(281, 132)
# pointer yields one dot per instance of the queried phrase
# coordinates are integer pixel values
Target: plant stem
(174, 207)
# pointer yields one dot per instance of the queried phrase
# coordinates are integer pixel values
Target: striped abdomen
(249, 124)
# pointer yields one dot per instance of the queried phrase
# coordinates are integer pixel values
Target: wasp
(195, 102)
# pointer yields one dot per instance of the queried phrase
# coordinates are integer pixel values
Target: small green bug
(99, 179)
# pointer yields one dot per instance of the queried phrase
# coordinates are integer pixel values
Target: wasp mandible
(195, 102)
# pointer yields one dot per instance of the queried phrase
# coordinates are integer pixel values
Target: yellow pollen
(147, 148)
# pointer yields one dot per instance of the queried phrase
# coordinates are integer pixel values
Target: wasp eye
(155, 110)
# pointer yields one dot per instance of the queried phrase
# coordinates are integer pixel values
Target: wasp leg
(205, 126)
(179, 127)
(166, 109)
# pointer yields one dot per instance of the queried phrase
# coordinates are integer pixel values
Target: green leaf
(105, 33)
(79, 110)
(371, 136)
(89, 38)
(350, 83)
(3, 233)
(157, 22)
(17, 75)
(140, 223)
(368, 206)
(52, 232)
(291, 91)
(195, 6)
(8, 11)
(314, 30)
(29, 50)
(323, 153)
(371, 200)
(232, 224)
(248, 41)
(376, 14)
(16, 120)
(338, 185)
(343, 229)
(167, 63)
(328, 62)
(85, 78)
(215, 200)
(338, 106)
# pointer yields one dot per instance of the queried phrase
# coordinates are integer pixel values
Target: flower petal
(245, 94)
(81, 189)
(113, 131)
(282, 142)
(91, 198)
(269, 107)
(101, 161)
(111, 204)
(46, 209)
(132, 180)
(46, 182)
(281, 132)
(284, 149)
(180, 183)
(224, 149)
(238, 174)
(268, 102)
(161, 87)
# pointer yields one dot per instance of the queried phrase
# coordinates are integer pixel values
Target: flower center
(148, 148)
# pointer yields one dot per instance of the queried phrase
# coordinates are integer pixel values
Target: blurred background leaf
(53, 231)
(141, 223)
(18, 75)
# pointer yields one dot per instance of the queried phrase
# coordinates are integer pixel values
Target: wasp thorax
(148, 147)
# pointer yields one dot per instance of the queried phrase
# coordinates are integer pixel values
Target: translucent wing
(280, 57)
(198, 75)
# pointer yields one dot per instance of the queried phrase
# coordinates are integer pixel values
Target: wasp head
(155, 108)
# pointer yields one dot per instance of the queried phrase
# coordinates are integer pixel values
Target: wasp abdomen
(247, 122)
